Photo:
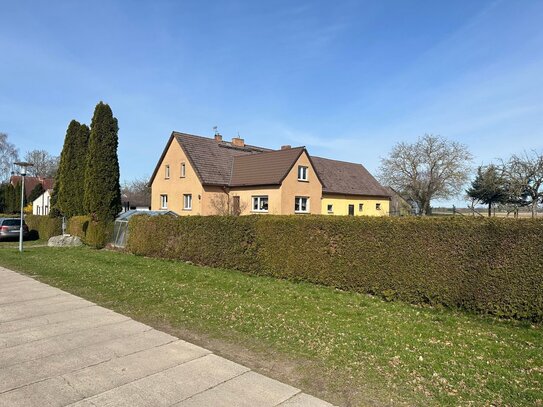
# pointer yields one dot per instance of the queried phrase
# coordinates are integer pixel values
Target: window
(183, 170)
(38, 210)
(187, 202)
(260, 203)
(330, 208)
(163, 201)
(360, 207)
(167, 171)
(302, 173)
(301, 204)
(378, 206)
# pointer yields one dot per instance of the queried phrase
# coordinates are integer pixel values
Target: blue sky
(347, 79)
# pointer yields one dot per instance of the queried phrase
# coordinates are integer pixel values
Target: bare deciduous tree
(8, 155)
(44, 164)
(137, 192)
(223, 205)
(524, 175)
(431, 168)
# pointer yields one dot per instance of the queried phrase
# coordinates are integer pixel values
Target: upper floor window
(378, 206)
(260, 203)
(302, 173)
(163, 201)
(187, 202)
(301, 204)
(183, 170)
(167, 172)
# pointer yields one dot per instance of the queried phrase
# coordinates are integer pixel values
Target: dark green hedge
(490, 266)
(44, 226)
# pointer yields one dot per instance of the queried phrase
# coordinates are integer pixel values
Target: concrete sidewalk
(57, 349)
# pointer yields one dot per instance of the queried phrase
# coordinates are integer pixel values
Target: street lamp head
(23, 166)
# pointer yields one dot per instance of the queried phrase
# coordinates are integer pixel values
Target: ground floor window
(187, 202)
(330, 208)
(38, 210)
(378, 206)
(164, 201)
(301, 204)
(360, 207)
(260, 203)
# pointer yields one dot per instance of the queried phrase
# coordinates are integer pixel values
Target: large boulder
(64, 241)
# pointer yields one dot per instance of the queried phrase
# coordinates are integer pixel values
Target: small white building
(42, 204)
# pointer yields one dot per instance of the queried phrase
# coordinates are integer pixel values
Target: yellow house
(208, 176)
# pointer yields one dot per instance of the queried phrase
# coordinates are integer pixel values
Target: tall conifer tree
(72, 185)
(67, 197)
(102, 187)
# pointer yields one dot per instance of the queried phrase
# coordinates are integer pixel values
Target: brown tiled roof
(212, 160)
(269, 168)
(222, 163)
(340, 177)
(32, 182)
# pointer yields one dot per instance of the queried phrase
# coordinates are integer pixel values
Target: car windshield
(12, 222)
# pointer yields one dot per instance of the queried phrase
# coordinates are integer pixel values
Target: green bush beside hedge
(490, 266)
(98, 234)
(77, 226)
(44, 226)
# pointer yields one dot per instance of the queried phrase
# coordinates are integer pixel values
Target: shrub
(77, 226)
(44, 226)
(490, 266)
(98, 234)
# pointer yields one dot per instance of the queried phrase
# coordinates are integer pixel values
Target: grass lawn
(348, 348)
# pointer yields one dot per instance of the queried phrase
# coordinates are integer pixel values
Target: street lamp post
(23, 166)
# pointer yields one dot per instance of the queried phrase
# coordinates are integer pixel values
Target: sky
(346, 79)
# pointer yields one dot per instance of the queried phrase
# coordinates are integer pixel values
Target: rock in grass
(64, 241)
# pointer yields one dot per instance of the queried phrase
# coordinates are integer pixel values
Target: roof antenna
(216, 130)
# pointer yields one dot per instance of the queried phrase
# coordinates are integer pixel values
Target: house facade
(208, 176)
(42, 204)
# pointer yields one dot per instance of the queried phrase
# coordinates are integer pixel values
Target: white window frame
(163, 201)
(298, 200)
(183, 170)
(303, 173)
(187, 202)
(167, 171)
(258, 200)
(330, 208)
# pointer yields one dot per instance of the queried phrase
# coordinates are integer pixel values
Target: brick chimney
(286, 147)
(218, 137)
(238, 142)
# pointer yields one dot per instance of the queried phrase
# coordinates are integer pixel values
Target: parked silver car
(10, 228)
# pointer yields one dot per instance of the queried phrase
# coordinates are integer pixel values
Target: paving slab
(305, 400)
(92, 312)
(247, 390)
(57, 349)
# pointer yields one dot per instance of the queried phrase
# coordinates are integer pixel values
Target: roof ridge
(339, 161)
(272, 151)
(228, 143)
